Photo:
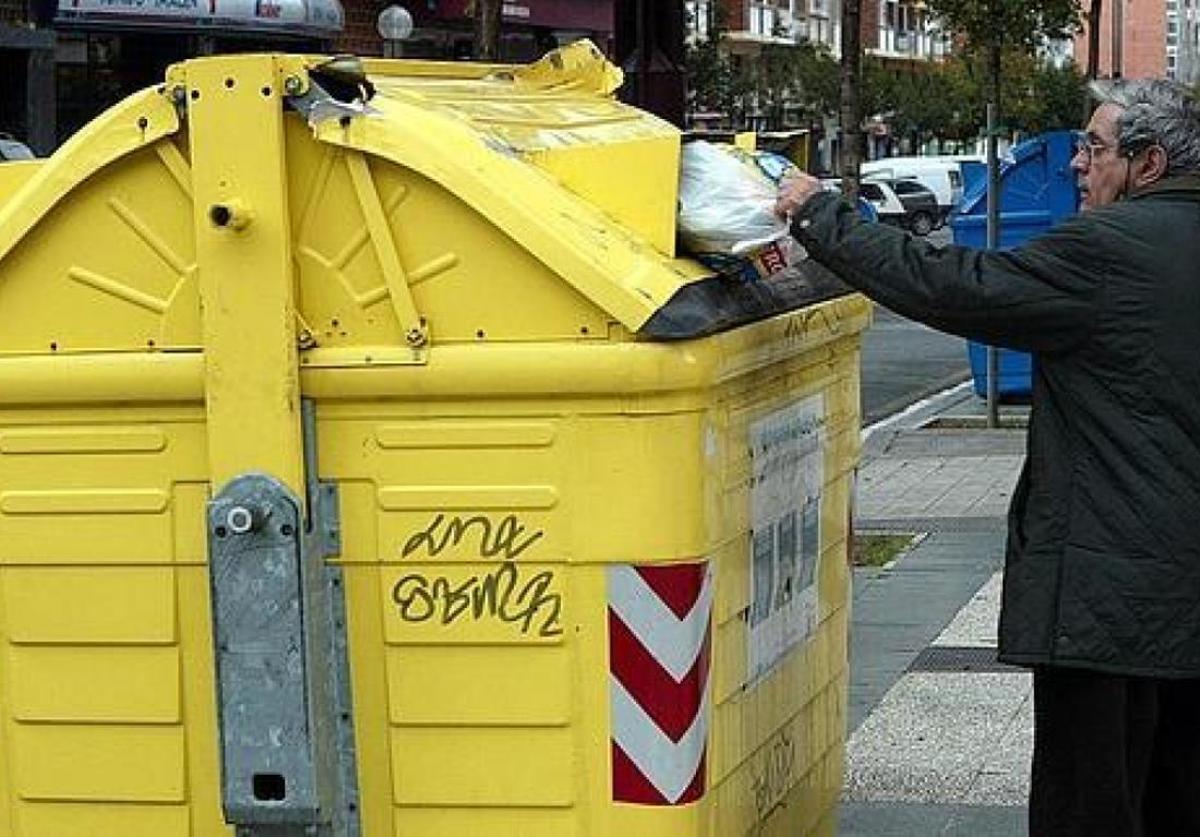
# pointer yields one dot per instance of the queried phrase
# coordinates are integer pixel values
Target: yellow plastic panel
(617, 270)
(83, 440)
(67, 605)
(83, 502)
(190, 535)
(118, 260)
(373, 743)
(102, 820)
(197, 686)
(87, 494)
(95, 684)
(466, 434)
(560, 114)
(13, 174)
(453, 261)
(501, 822)
(100, 763)
(433, 686)
(636, 183)
(139, 121)
(57, 528)
(637, 481)
(486, 822)
(511, 767)
(467, 497)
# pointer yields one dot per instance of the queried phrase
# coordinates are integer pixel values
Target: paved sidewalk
(940, 732)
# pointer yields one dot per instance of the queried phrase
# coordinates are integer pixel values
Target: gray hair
(1155, 112)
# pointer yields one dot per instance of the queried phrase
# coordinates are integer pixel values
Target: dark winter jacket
(1103, 558)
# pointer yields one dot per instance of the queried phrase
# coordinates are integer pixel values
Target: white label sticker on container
(787, 453)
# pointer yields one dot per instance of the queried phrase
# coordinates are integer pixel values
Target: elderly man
(1102, 576)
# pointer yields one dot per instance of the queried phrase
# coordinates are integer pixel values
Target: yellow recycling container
(370, 465)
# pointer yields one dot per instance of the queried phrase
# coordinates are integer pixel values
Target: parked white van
(941, 175)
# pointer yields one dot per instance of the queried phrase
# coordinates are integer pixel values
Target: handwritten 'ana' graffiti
(506, 538)
(507, 593)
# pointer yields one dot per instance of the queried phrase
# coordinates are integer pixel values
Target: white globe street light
(394, 24)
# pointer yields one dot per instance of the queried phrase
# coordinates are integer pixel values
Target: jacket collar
(1181, 184)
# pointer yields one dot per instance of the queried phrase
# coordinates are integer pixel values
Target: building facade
(27, 110)
(1141, 43)
(62, 62)
(444, 28)
(901, 30)
(107, 49)
(1183, 40)
(900, 33)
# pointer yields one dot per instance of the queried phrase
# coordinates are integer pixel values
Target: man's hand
(794, 192)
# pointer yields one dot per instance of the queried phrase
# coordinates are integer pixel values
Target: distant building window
(700, 17)
(818, 30)
(762, 19)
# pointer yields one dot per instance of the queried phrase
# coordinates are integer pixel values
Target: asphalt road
(904, 361)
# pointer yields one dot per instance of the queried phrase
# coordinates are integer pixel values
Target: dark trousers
(1114, 756)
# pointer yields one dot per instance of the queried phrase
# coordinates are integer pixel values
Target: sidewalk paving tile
(868, 819)
(934, 752)
(932, 736)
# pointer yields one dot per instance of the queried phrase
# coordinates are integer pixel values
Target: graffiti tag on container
(506, 538)
(508, 594)
(772, 777)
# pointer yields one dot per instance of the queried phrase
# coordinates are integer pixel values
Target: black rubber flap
(720, 303)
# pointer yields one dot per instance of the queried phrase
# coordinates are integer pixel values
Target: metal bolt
(293, 85)
(240, 520)
(179, 94)
(415, 337)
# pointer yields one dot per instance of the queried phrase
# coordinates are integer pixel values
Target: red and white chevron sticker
(660, 637)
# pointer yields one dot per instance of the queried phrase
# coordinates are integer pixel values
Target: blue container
(1037, 190)
(1016, 371)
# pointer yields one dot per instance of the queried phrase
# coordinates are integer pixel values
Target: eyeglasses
(1089, 146)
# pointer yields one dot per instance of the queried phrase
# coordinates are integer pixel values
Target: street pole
(487, 30)
(648, 43)
(851, 82)
(993, 230)
(1118, 38)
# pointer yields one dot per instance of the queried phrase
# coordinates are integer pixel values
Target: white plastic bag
(726, 202)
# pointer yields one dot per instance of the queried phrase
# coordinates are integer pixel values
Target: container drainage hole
(269, 787)
(220, 215)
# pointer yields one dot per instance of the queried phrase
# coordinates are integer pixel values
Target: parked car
(866, 209)
(941, 175)
(921, 206)
(10, 149)
(903, 203)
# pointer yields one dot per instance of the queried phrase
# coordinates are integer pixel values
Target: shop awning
(317, 18)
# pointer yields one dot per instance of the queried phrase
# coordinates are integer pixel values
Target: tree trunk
(851, 116)
(1093, 63)
(1093, 60)
(487, 30)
